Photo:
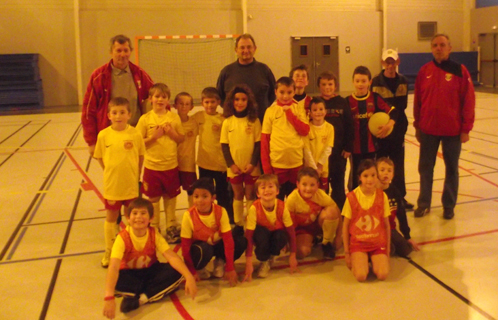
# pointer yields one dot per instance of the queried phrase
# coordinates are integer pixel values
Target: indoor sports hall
(51, 198)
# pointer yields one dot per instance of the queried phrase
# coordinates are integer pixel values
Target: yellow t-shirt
(161, 155)
(209, 154)
(209, 220)
(120, 152)
(270, 215)
(118, 248)
(286, 145)
(320, 138)
(240, 135)
(296, 204)
(186, 149)
(365, 202)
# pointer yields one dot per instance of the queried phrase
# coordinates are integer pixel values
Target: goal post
(185, 63)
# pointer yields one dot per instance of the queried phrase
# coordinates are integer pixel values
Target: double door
(319, 54)
(488, 44)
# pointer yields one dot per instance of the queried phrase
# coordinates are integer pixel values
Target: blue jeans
(429, 145)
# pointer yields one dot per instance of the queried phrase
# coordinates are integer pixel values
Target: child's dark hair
(385, 160)
(362, 70)
(316, 100)
(119, 101)
(204, 183)
(327, 75)
(366, 164)
(140, 203)
(308, 172)
(301, 67)
(252, 107)
(184, 94)
(210, 93)
(267, 177)
(285, 81)
(161, 88)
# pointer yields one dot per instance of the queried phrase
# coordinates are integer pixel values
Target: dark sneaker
(328, 251)
(420, 212)
(408, 205)
(129, 304)
(448, 213)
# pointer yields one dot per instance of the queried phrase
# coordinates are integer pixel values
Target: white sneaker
(105, 259)
(264, 269)
(204, 274)
(218, 268)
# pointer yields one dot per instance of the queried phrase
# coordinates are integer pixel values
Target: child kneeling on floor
(206, 232)
(269, 226)
(134, 271)
(366, 230)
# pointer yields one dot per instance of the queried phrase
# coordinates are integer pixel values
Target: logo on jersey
(367, 223)
(249, 130)
(139, 263)
(128, 144)
(448, 77)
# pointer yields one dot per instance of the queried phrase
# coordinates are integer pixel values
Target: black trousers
(202, 252)
(399, 245)
(159, 279)
(268, 242)
(337, 172)
(222, 192)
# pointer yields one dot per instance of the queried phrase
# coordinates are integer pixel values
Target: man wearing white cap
(393, 87)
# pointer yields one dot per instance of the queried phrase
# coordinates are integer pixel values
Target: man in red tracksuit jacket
(444, 107)
(119, 77)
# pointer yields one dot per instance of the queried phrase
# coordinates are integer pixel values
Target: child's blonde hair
(184, 94)
(385, 160)
(266, 178)
(308, 172)
(119, 101)
(161, 88)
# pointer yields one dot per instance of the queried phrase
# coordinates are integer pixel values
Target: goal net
(185, 63)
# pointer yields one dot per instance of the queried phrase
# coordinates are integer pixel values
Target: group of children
(300, 148)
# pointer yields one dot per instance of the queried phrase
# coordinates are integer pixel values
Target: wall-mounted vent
(427, 30)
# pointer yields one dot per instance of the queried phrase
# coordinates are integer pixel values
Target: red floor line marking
(458, 237)
(179, 307)
(91, 185)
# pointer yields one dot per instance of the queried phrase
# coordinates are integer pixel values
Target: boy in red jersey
(363, 105)
(134, 271)
(266, 220)
(206, 232)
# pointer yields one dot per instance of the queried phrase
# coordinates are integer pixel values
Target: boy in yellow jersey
(184, 103)
(120, 151)
(210, 158)
(319, 142)
(162, 131)
(284, 125)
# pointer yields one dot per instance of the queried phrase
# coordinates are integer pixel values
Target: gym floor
(52, 241)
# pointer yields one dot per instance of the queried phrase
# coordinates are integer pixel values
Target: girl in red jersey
(366, 230)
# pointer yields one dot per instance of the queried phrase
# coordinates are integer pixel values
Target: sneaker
(218, 268)
(328, 251)
(264, 269)
(408, 205)
(129, 304)
(448, 213)
(204, 274)
(173, 235)
(105, 259)
(420, 212)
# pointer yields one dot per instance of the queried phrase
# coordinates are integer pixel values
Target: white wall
(482, 21)
(47, 27)
(43, 27)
